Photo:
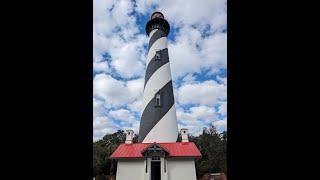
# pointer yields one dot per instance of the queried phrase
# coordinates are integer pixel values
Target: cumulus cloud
(196, 117)
(101, 66)
(115, 92)
(115, 33)
(122, 114)
(126, 118)
(192, 54)
(97, 107)
(189, 79)
(221, 125)
(127, 57)
(197, 112)
(135, 106)
(204, 93)
(222, 80)
(102, 125)
(223, 108)
(195, 12)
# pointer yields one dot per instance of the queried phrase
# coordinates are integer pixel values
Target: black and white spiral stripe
(158, 124)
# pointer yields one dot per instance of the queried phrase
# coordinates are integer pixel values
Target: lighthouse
(158, 120)
(157, 155)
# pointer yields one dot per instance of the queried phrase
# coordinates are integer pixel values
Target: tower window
(158, 99)
(158, 55)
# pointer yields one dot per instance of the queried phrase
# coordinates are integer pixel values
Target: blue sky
(198, 60)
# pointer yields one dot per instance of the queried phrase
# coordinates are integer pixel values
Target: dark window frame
(158, 97)
(158, 55)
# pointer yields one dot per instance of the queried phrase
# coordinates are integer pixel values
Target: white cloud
(100, 122)
(122, 114)
(194, 127)
(184, 58)
(135, 88)
(203, 112)
(133, 126)
(194, 11)
(214, 50)
(97, 107)
(127, 57)
(222, 80)
(110, 90)
(101, 66)
(135, 106)
(189, 79)
(191, 53)
(221, 125)
(126, 119)
(115, 92)
(204, 93)
(184, 117)
(115, 32)
(101, 126)
(223, 108)
(102, 19)
(145, 6)
(195, 118)
(197, 112)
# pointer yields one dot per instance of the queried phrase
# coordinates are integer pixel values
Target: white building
(156, 161)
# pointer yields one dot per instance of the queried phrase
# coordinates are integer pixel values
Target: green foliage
(213, 147)
(103, 149)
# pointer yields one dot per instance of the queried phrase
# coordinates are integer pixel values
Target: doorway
(155, 170)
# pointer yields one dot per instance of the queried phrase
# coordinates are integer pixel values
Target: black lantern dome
(157, 21)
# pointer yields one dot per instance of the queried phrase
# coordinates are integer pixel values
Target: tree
(212, 146)
(103, 149)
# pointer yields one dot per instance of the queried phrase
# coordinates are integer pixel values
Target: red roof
(178, 149)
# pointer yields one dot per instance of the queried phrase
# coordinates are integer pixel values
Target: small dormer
(154, 150)
(129, 136)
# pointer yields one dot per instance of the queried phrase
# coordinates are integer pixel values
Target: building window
(155, 158)
(158, 99)
(158, 56)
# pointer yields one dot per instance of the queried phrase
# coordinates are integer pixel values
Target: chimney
(184, 135)
(129, 136)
